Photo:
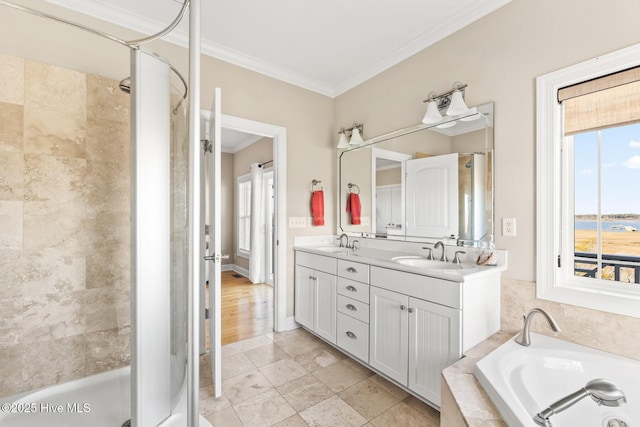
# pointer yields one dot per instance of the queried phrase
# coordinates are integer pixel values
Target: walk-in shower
(144, 175)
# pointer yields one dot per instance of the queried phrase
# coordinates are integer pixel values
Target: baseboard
(236, 268)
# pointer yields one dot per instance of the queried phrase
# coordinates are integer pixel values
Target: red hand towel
(354, 208)
(317, 207)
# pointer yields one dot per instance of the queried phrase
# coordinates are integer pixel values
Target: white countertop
(465, 272)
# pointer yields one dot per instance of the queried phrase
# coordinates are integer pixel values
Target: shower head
(125, 85)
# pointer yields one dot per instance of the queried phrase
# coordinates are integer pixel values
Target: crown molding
(144, 25)
(421, 42)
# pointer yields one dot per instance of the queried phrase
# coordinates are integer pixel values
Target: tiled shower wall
(64, 225)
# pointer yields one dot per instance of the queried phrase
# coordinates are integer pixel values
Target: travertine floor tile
(304, 392)
(339, 376)
(283, 371)
(245, 386)
(319, 358)
(294, 421)
(210, 404)
(333, 412)
(225, 418)
(369, 399)
(235, 365)
(264, 410)
(402, 415)
(266, 355)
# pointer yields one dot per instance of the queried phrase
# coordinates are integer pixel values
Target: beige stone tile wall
(64, 225)
(592, 328)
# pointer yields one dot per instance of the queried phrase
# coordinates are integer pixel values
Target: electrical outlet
(366, 220)
(509, 227)
(297, 222)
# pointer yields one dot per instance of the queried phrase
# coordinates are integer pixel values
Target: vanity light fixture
(354, 138)
(452, 102)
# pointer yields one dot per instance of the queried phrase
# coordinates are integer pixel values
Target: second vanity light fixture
(355, 136)
(452, 102)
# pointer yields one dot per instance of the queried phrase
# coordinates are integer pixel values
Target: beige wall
(499, 57)
(258, 152)
(64, 225)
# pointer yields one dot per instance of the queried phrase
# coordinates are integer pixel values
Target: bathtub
(522, 381)
(101, 400)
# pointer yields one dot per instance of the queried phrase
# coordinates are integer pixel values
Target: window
(244, 214)
(588, 184)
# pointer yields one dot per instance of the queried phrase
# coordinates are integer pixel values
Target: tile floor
(295, 379)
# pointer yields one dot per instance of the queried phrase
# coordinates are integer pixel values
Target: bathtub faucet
(525, 338)
(602, 391)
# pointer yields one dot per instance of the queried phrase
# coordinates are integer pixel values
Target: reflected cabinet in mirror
(423, 183)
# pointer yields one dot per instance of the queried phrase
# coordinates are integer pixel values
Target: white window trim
(553, 282)
(241, 179)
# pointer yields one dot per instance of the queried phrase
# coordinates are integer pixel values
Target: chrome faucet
(602, 391)
(524, 338)
(354, 245)
(342, 245)
(430, 253)
(444, 252)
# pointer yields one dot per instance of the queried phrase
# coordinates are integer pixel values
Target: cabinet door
(305, 296)
(388, 333)
(325, 306)
(434, 344)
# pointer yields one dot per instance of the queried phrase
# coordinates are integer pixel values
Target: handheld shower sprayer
(603, 392)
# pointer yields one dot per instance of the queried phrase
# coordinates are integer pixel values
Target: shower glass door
(159, 243)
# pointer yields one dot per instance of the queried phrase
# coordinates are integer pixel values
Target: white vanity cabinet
(405, 325)
(353, 309)
(315, 294)
(413, 340)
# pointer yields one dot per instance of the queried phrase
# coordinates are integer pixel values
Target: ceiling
(327, 46)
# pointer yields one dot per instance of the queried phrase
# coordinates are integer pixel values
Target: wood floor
(247, 309)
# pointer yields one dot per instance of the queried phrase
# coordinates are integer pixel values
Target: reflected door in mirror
(432, 196)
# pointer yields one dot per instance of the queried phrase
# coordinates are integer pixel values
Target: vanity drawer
(353, 308)
(353, 270)
(353, 337)
(353, 289)
(317, 262)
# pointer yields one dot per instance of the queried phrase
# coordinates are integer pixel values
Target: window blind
(612, 100)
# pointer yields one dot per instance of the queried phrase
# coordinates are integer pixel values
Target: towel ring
(313, 185)
(350, 185)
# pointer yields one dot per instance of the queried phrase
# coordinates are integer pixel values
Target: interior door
(214, 256)
(432, 196)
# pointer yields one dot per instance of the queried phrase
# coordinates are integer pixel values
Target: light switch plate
(297, 222)
(509, 227)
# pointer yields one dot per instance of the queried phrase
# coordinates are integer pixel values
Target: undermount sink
(415, 261)
(334, 250)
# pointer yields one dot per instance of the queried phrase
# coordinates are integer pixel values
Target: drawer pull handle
(410, 310)
(403, 307)
(312, 278)
(352, 288)
(352, 270)
(352, 335)
(352, 307)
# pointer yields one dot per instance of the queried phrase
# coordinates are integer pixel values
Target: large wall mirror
(422, 183)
